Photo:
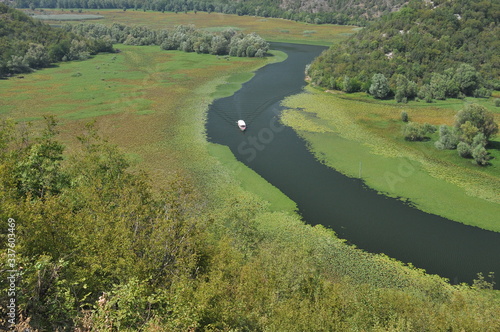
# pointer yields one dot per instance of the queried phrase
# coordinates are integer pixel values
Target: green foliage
(38, 166)
(448, 138)
(482, 283)
(403, 89)
(425, 93)
(467, 78)
(438, 86)
(464, 150)
(450, 49)
(309, 11)
(480, 155)
(27, 44)
(404, 116)
(414, 131)
(474, 115)
(379, 87)
(468, 132)
(107, 253)
(183, 37)
(474, 125)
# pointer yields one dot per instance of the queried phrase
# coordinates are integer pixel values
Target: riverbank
(363, 139)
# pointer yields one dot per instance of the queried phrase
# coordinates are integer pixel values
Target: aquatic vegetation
(343, 131)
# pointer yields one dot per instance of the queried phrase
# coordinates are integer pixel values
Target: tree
(438, 86)
(480, 155)
(425, 93)
(18, 64)
(467, 78)
(37, 56)
(38, 171)
(479, 117)
(380, 86)
(403, 88)
(464, 150)
(468, 132)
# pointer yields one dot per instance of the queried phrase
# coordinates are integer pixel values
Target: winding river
(358, 214)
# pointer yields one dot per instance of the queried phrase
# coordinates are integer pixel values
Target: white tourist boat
(242, 125)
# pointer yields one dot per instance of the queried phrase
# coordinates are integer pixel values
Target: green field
(360, 137)
(67, 17)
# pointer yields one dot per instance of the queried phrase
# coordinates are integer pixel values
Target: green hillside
(432, 50)
(27, 44)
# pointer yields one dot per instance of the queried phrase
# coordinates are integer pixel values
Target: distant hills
(312, 11)
(437, 49)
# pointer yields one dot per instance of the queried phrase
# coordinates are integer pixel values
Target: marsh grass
(67, 17)
(272, 29)
(144, 99)
(343, 132)
(251, 181)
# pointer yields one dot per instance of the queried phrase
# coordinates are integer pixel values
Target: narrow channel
(324, 196)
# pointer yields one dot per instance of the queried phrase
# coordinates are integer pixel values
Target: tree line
(328, 11)
(27, 44)
(183, 38)
(427, 50)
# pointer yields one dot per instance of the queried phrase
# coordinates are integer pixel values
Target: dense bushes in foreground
(97, 249)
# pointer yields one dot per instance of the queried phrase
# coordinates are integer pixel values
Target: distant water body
(358, 214)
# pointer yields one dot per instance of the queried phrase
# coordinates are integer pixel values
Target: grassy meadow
(271, 29)
(149, 102)
(361, 137)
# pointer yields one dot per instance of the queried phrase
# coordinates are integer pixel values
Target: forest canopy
(432, 50)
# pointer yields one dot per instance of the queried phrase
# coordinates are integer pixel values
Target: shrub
(448, 138)
(414, 131)
(482, 93)
(464, 150)
(429, 129)
(404, 116)
(480, 155)
(480, 139)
